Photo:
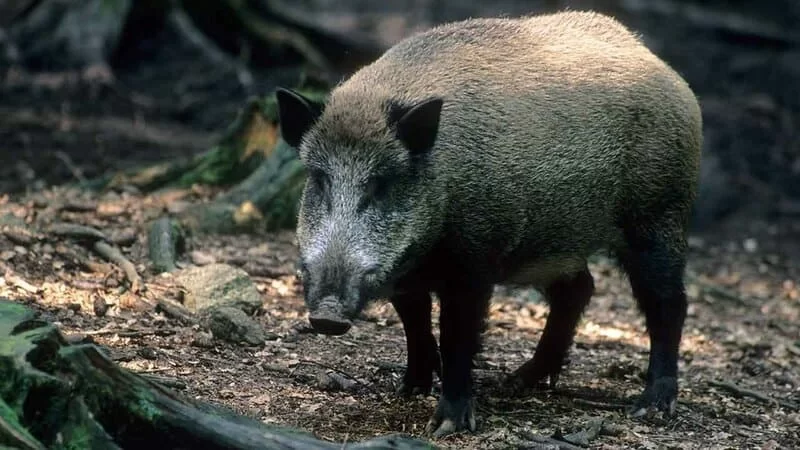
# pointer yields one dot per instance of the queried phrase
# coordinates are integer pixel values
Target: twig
(20, 235)
(176, 311)
(333, 369)
(115, 256)
(80, 259)
(76, 231)
(16, 280)
(716, 290)
(546, 440)
(599, 405)
(76, 171)
(745, 392)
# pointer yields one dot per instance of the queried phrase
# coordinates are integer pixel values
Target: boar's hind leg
(414, 310)
(655, 261)
(463, 307)
(568, 298)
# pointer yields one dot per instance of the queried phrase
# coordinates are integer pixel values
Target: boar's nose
(328, 318)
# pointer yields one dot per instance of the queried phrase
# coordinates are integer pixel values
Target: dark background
(742, 58)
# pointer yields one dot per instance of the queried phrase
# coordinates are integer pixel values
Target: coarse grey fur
(559, 135)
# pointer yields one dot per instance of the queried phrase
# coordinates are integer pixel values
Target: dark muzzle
(328, 318)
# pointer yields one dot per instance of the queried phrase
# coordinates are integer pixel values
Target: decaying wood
(76, 395)
(164, 241)
(269, 196)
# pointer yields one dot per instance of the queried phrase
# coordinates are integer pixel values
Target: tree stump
(74, 396)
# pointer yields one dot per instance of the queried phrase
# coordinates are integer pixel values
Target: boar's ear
(296, 114)
(417, 125)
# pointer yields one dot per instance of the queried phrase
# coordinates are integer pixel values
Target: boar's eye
(375, 189)
(320, 183)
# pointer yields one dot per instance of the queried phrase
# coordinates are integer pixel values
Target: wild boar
(498, 151)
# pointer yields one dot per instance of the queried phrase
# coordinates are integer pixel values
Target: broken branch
(114, 255)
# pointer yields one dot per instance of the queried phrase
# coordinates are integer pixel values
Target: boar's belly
(543, 271)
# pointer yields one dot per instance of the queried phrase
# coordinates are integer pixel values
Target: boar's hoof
(659, 396)
(409, 389)
(452, 416)
(532, 376)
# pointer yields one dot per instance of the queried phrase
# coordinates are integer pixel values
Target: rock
(233, 325)
(218, 285)
(333, 382)
(201, 258)
(100, 306)
(203, 340)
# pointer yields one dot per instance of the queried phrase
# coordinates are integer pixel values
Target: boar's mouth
(328, 318)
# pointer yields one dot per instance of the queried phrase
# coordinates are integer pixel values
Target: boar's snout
(328, 317)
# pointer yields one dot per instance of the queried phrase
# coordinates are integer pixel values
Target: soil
(743, 327)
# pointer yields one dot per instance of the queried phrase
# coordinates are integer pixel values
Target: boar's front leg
(463, 307)
(414, 309)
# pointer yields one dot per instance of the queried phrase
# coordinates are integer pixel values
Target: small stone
(334, 382)
(203, 339)
(76, 307)
(202, 258)
(217, 285)
(147, 353)
(100, 306)
(124, 238)
(233, 325)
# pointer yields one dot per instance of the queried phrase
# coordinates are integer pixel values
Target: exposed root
(176, 311)
(745, 392)
(76, 231)
(184, 26)
(115, 256)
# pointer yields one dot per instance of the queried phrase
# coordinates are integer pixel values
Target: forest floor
(743, 331)
(740, 357)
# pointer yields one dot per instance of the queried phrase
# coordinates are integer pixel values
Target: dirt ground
(743, 329)
(740, 357)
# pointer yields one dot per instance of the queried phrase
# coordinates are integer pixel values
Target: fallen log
(74, 396)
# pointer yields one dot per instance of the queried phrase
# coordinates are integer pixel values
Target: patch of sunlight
(594, 330)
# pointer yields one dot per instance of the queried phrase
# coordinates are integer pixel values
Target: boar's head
(369, 205)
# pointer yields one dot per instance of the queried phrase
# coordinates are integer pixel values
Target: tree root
(739, 391)
(184, 26)
(76, 397)
(78, 232)
(115, 256)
